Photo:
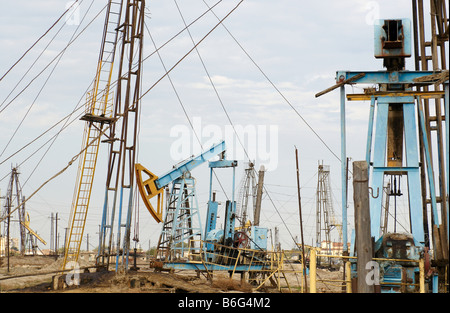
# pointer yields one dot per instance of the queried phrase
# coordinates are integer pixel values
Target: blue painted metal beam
(447, 124)
(223, 163)
(383, 77)
(430, 172)
(188, 165)
(378, 162)
(370, 130)
(343, 171)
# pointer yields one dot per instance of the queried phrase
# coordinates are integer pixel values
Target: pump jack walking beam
(153, 186)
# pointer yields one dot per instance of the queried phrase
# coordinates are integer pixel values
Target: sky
(281, 53)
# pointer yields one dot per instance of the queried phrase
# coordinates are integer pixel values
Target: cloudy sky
(272, 58)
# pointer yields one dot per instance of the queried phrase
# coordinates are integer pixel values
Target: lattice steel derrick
(122, 140)
(181, 231)
(14, 194)
(431, 54)
(322, 207)
(247, 190)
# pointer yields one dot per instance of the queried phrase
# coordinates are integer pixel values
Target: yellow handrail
(347, 280)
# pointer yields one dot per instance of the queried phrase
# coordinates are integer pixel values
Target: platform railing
(260, 266)
(347, 282)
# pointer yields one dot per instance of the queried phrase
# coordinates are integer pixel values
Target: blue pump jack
(392, 149)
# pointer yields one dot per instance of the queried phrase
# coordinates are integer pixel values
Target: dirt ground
(39, 274)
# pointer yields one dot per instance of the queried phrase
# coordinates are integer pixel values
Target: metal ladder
(433, 50)
(98, 108)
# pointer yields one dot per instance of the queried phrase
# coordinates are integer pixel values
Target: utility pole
(51, 233)
(56, 235)
(65, 239)
(301, 221)
(259, 192)
(362, 224)
(8, 205)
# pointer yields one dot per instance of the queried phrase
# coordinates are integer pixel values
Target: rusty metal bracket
(371, 192)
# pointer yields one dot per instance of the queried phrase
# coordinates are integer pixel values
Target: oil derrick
(430, 54)
(14, 194)
(122, 141)
(251, 187)
(325, 219)
(181, 226)
(247, 190)
(28, 236)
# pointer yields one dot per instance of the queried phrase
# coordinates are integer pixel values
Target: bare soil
(38, 274)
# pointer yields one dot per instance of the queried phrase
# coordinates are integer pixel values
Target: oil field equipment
(393, 151)
(184, 243)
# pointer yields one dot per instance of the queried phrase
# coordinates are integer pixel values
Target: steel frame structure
(247, 190)
(396, 94)
(430, 53)
(119, 191)
(182, 223)
(14, 193)
(324, 207)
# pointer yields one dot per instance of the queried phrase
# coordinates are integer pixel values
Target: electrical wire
(209, 78)
(275, 87)
(167, 72)
(57, 134)
(45, 83)
(78, 107)
(189, 52)
(286, 100)
(35, 61)
(74, 158)
(39, 39)
(69, 44)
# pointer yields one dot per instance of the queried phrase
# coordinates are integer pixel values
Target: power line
(275, 87)
(57, 134)
(179, 100)
(210, 79)
(70, 43)
(189, 52)
(34, 62)
(78, 106)
(45, 83)
(42, 36)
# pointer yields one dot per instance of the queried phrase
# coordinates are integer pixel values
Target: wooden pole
(301, 222)
(259, 193)
(362, 225)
